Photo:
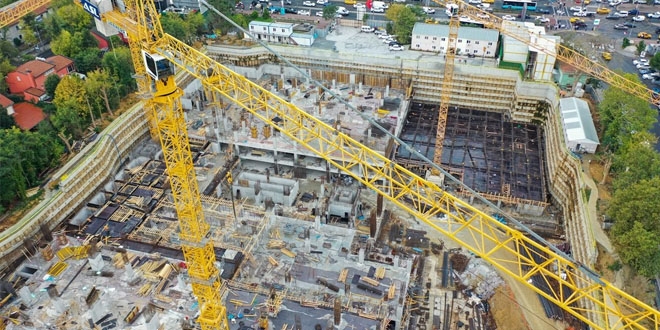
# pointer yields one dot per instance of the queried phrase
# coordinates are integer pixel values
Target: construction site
(262, 196)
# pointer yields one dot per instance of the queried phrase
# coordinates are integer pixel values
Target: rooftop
(465, 32)
(577, 120)
(27, 115)
(39, 67)
(5, 102)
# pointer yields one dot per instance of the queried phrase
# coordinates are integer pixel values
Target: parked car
(574, 20)
(644, 71)
(542, 19)
(290, 11)
(622, 13)
(428, 10)
(640, 61)
(309, 4)
(359, 5)
(321, 2)
(509, 18)
(614, 3)
(640, 2)
(580, 26)
(305, 12)
(603, 11)
(544, 10)
(474, 2)
(396, 47)
(630, 25)
(653, 15)
(650, 76)
(607, 56)
(580, 14)
(612, 16)
(639, 18)
(377, 10)
(620, 27)
(575, 8)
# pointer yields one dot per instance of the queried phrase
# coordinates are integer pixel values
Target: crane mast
(447, 83)
(577, 290)
(140, 21)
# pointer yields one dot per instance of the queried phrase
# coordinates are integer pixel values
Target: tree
(638, 248)
(5, 68)
(329, 12)
(68, 121)
(640, 47)
(215, 21)
(6, 120)
(626, 42)
(8, 50)
(101, 83)
(119, 63)
(88, 59)
(403, 20)
(622, 115)
(195, 24)
(655, 61)
(636, 203)
(74, 18)
(174, 25)
(29, 36)
(636, 160)
(65, 44)
(51, 84)
(71, 91)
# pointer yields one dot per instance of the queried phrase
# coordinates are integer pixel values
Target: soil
(506, 311)
(604, 261)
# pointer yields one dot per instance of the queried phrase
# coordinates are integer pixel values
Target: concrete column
(317, 222)
(334, 84)
(387, 91)
(396, 261)
(360, 88)
(361, 256)
(308, 246)
(351, 78)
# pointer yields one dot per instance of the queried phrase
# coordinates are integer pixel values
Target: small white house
(471, 40)
(579, 130)
(272, 32)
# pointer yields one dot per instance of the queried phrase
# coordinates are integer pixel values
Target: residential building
(535, 59)
(579, 129)
(14, 29)
(27, 115)
(283, 33)
(8, 104)
(32, 75)
(471, 40)
(565, 76)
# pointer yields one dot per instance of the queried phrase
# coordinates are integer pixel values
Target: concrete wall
(273, 188)
(80, 179)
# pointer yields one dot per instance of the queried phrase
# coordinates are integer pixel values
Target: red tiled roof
(35, 68)
(27, 115)
(34, 91)
(5, 102)
(59, 61)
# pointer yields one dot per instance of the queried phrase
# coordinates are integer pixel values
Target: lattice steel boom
(447, 83)
(562, 53)
(505, 248)
(13, 12)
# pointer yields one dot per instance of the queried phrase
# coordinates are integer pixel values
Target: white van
(366, 28)
(342, 11)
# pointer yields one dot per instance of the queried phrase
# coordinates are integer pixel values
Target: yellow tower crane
(14, 11)
(577, 290)
(447, 83)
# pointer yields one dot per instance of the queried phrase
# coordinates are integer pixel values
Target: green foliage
(74, 18)
(5, 68)
(23, 155)
(636, 203)
(626, 43)
(67, 119)
(365, 18)
(330, 11)
(640, 47)
(215, 22)
(595, 83)
(623, 115)
(403, 20)
(638, 247)
(655, 61)
(635, 161)
(102, 83)
(6, 121)
(51, 84)
(17, 42)
(265, 15)
(174, 25)
(66, 45)
(615, 266)
(119, 63)
(88, 59)
(8, 50)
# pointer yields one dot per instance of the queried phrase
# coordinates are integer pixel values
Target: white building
(433, 38)
(282, 33)
(535, 57)
(579, 130)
